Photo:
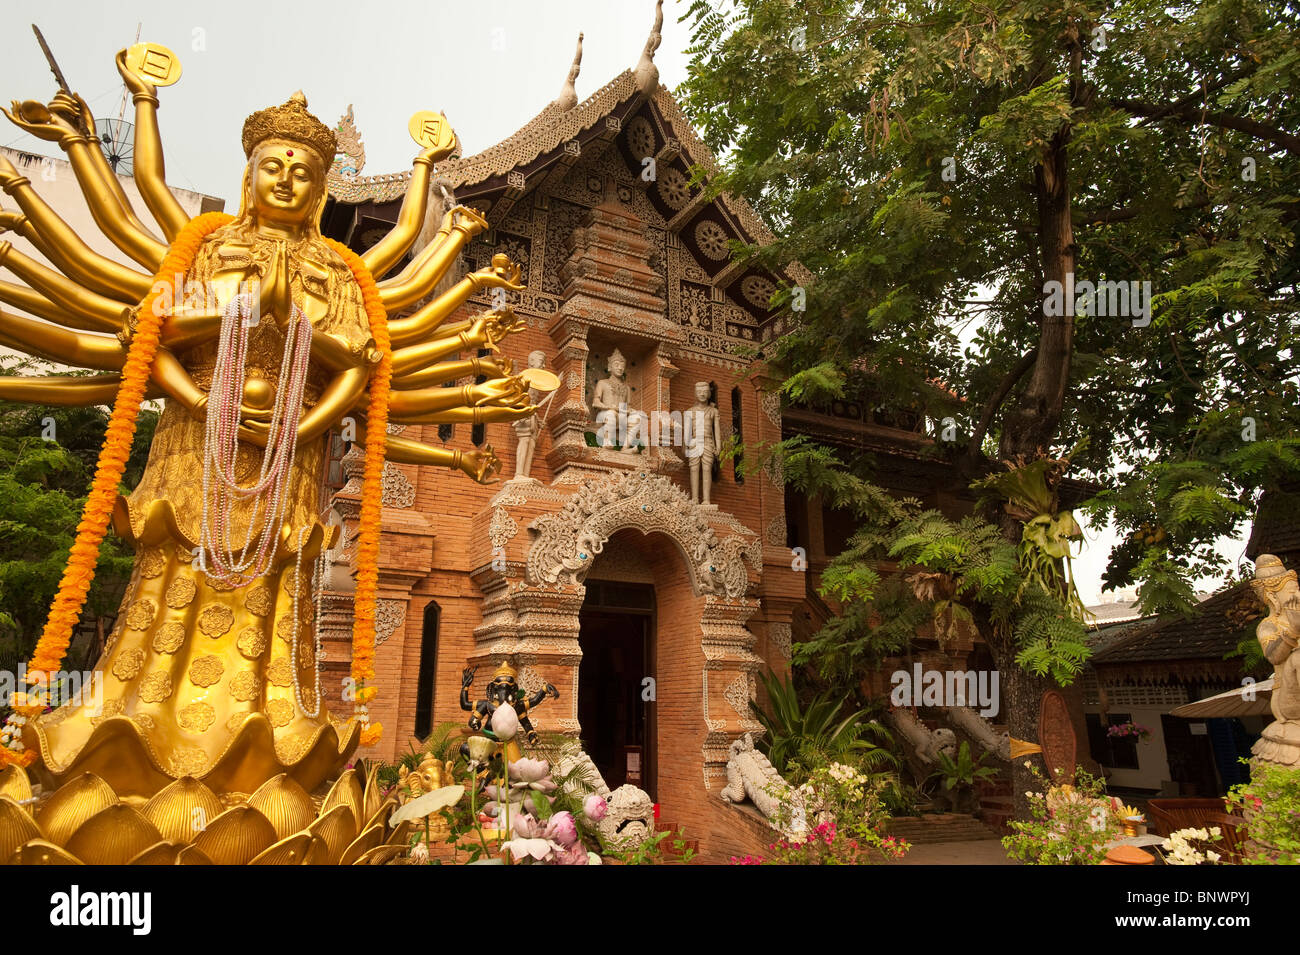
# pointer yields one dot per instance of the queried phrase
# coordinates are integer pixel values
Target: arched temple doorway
(621, 580)
(616, 680)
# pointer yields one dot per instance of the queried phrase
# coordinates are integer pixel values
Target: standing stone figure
(527, 430)
(703, 439)
(1278, 635)
(612, 404)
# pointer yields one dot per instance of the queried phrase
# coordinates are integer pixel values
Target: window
(478, 432)
(1117, 752)
(424, 694)
(738, 433)
(334, 479)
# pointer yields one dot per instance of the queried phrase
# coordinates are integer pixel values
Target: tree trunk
(1030, 428)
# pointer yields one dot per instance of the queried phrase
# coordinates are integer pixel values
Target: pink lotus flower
(525, 770)
(527, 827)
(575, 854)
(505, 722)
(594, 807)
(532, 774)
(562, 828)
(538, 849)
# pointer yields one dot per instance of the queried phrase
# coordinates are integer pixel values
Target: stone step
(939, 827)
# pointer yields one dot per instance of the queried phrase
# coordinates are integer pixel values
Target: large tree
(47, 460)
(943, 168)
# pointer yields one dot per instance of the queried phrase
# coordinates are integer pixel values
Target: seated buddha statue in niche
(620, 424)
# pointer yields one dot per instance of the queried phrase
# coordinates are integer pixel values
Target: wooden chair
(1170, 815)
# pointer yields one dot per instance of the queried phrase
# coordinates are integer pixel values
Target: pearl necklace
(221, 489)
(293, 652)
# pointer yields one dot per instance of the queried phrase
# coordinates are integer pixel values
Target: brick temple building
(596, 572)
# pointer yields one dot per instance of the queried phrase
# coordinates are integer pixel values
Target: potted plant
(959, 776)
(1128, 730)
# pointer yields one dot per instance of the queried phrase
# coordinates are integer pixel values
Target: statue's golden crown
(291, 121)
(504, 671)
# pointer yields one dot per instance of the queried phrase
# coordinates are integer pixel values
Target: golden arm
(38, 304)
(54, 343)
(61, 245)
(478, 464)
(106, 173)
(413, 358)
(98, 185)
(342, 393)
(406, 335)
(427, 269)
(451, 370)
(150, 174)
(502, 273)
(426, 400)
(486, 415)
(97, 311)
(19, 224)
(62, 389)
(388, 251)
(385, 253)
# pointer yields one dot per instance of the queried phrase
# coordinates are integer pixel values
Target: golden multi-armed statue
(266, 341)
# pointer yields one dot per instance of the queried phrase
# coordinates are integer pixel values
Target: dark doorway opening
(616, 689)
(424, 696)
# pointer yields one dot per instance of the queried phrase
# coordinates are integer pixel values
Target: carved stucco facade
(610, 260)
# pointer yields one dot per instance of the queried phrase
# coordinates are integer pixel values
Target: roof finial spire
(568, 97)
(647, 74)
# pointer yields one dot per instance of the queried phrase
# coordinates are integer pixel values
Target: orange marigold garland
(84, 555)
(363, 627)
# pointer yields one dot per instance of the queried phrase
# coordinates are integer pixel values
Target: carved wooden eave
(550, 143)
(535, 145)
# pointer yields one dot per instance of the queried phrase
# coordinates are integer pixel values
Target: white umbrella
(1249, 700)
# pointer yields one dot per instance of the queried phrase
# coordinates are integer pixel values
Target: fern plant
(801, 737)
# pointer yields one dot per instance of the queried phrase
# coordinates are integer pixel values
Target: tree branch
(1000, 395)
(1192, 115)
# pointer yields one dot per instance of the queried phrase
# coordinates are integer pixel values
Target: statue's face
(286, 182)
(537, 359)
(702, 391)
(502, 690)
(617, 366)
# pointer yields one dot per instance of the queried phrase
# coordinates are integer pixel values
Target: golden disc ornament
(431, 130)
(539, 379)
(154, 62)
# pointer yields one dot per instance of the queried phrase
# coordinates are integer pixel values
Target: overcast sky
(490, 65)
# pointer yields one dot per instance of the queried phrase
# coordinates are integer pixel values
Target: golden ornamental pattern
(279, 712)
(169, 638)
(215, 620)
(156, 687)
(180, 592)
(141, 614)
(280, 673)
(152, 562)
(292, 748)
(284, 628)
(143, 720)
(128, 664)
(187, 761)
(197, 717)
(252, 642)
(258, 600)
(245, 686)
(205, 671)
(110, 708)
